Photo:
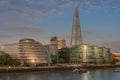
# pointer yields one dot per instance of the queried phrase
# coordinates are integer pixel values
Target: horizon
(42, 19)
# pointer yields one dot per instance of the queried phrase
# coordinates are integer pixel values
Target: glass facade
(106, 54)
(32, 52)
(89, 54)
(76, 54)
(98, 54)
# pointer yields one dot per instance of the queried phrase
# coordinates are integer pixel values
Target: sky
(42, 19)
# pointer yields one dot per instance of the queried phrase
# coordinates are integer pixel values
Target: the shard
(76, 36)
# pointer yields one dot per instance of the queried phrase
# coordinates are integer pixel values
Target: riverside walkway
(54, 67)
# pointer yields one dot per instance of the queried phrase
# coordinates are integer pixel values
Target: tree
(54, 59)
(6, 59)
(16, 61)
(61, 60)
(114, 61)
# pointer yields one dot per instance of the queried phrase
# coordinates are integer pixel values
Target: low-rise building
(89, 54)
(115, 58)
(11, 49)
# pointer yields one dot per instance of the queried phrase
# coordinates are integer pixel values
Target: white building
(11, 49)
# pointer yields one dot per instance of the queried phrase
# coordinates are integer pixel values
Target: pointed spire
(76, 37)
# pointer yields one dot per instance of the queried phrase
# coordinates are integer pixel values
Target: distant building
(11, 49)
(76, 36)
(61, 43)
(33, 53)
(106, 54)
(83, 53)
(89, 54)
(53, 48)
(65, 54)
(115, 58)
(1, 49)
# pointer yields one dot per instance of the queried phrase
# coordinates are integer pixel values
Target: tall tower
(76, 37)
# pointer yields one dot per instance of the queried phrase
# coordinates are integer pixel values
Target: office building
(85, 53)
(76, 36)
(61, 43)
(11, 49)
(89, 54)
(53, 48)
(115, 58)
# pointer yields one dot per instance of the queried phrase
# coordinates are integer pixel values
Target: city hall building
(33, 53)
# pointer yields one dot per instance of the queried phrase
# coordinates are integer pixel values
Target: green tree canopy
(6, 59)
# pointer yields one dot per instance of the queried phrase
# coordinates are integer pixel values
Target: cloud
(4, 3)
(23, 28)
(113, 45)
(16, 12)
(114, 3)
(44, 7)
(8, 35)
(4, 35)
(89, 32)
(22, 31)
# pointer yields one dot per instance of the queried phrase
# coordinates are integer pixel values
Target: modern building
(84, 53)
(106, 54)
(11, 49)
(61, 43)
(76, 36)
(89, 54)
(33, 53)
(64, 53)
(98, 54)
(115, 58)
(53, 48)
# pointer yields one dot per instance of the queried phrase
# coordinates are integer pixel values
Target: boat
(75, 70)
(80, 70)
(117, 70)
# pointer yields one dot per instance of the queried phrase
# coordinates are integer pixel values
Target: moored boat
(117, 70)
(80, 70)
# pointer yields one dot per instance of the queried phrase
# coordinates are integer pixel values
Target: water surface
(107, 74)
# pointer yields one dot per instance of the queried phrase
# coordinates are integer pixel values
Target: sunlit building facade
(61, 43)
(89, 54)
(33, 53)
(53, 48)
(115, 58)
(11, 49)
(98, 54)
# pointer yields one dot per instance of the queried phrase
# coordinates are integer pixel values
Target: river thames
(106, 74)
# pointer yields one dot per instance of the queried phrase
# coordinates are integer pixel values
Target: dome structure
(33, 53)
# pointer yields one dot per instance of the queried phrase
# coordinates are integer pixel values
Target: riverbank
(12, 69)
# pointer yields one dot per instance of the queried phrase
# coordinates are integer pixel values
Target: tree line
(6, 59)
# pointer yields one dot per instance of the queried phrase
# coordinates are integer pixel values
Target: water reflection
(64, 75)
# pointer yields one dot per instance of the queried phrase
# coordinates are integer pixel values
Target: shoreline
(22, 69)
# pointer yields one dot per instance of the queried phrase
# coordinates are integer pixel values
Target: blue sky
(42, 19)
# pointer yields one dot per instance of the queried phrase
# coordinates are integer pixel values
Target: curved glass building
(33, 53)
